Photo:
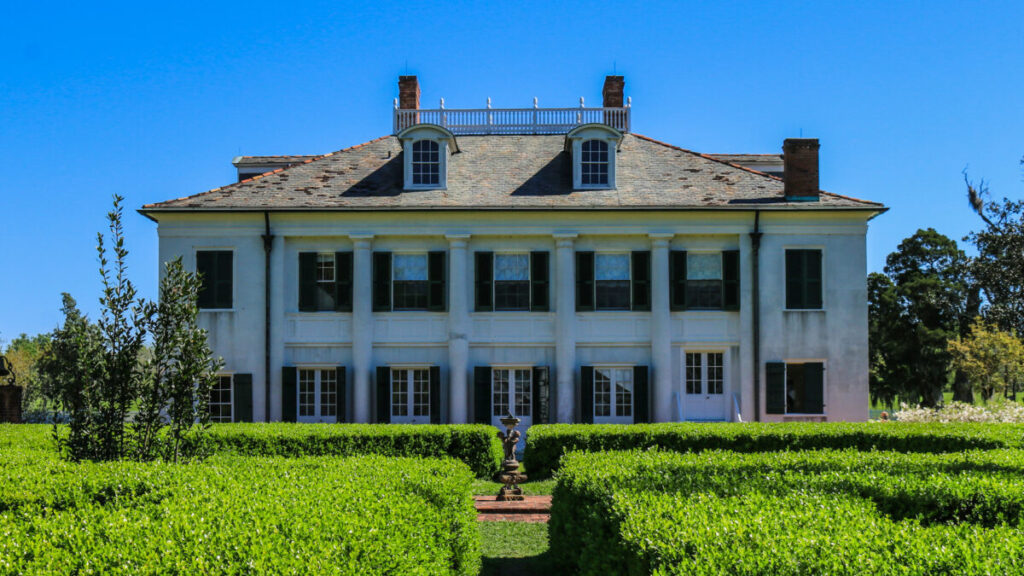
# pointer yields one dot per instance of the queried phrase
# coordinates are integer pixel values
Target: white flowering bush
(998, 411)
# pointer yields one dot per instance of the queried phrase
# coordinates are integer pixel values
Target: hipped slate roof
(507, 172)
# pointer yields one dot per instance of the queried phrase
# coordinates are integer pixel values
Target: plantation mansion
(545, 262)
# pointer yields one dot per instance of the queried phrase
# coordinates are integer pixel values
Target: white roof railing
(469, 121)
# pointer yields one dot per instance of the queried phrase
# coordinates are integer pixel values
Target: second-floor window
(325, 281)
(613, 281)
(704, 280)
(409, 282)
(215, 269)
(426, 163)
(511, 281)
(803, 280)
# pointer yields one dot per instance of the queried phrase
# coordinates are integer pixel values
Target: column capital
(661, 238)
(361, 240)
(564, 239)
(457, 240)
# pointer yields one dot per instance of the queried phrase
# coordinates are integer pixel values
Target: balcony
(512, 120)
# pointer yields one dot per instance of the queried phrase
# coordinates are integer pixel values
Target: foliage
(925, 298)
(236, 515)
(999, 265)
(834, 512)
(1007, 412)
(24, 353)
(179, 372)
(546, 443)
(992, 359)
(474, 444)
(97, 373)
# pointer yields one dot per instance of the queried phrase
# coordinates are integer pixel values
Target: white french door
(512, 391)
(318, 395)
(613, 395)
(410, 395)
(704, 386)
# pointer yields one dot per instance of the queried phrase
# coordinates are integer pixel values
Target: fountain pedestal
(510, 475)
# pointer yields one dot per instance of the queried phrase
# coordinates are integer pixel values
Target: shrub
(545, 444)
(475, 444)
(238, 515)
(836, 512)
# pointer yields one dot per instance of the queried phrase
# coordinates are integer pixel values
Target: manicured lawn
(539, 488)
(514, 549)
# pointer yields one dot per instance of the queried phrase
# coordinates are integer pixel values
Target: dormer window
(594, 163)
(426, 163)
(592, 147)
(426, 148)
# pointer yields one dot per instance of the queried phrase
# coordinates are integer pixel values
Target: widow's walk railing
(512, 120)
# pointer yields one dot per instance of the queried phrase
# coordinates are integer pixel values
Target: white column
(746, 351)
(565, 327)
(362, 326)
(661, 330)
(458, 329)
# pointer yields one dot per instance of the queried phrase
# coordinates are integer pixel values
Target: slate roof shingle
(507, 172)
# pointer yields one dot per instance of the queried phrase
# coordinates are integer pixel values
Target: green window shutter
(814, 388)
(677, 279)
(341, 398)
(641, 395)
(812, 279)
(775, 388)
(225, 282)
(641, 280)
(484, 284)
(382, 281)
(794, 279)
(482, 394)
(241, 396)
(540, 273)
(584, 281)
(343, 281)
(436, 282)
(383, 395)
(435, 394)
(307, 281)
(731, 280)
(587, 394)
(289, 395)
(541, 394)
(206, 270)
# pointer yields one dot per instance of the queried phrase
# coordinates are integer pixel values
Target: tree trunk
(962, 391)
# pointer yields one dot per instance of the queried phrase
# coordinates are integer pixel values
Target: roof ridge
(706, 157)
(265, 174)
(851, 198)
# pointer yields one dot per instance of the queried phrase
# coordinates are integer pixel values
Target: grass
(514, 549)
(538, 488)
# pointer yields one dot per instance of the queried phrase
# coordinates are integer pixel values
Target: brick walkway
(535, 509)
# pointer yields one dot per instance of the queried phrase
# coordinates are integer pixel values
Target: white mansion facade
(545, 262)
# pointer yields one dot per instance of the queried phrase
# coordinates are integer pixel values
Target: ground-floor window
(410, 395)
(318, 395)
(613, 395)
(795, 388)
(221, 404)
(705, 372)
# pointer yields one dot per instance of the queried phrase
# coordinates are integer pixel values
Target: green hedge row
(545, 444)
(815, 512)
(238, 515)
(475, 444)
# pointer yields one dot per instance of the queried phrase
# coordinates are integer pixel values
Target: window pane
(612, 295)
(594, 162)
(307, 392)
(511, 295)
(795, 388)
(220, 400)
(328, 393)
(602, 392)
(611, 267)
(409, 267)
(421, 393)
(693, 369)
(511, 267)
(704, 294)
(410, 295)
(623, 392)
(522, 392)
(703, 266)
(499, 392)
(426, 162)
(399, 393)
(325, 267)
(716, 373)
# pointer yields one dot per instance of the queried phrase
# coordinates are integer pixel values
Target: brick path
(535, 509)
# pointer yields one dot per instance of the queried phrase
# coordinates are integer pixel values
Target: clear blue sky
(152, 101)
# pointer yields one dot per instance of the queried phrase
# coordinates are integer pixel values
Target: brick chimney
(800, 169)
(408, 93)
(613, 90)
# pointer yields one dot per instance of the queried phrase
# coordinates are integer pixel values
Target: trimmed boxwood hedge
(545, 444)
(238, 515)
(815, 512)
(475, 444)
